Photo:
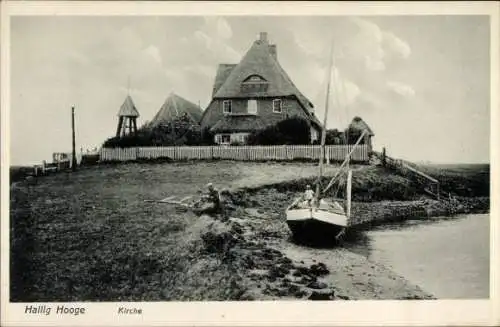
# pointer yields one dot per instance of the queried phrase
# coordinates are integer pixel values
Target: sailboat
(324, 219)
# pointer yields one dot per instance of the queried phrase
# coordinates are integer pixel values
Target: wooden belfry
(127, 118)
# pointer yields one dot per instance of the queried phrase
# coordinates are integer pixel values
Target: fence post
(384, 160)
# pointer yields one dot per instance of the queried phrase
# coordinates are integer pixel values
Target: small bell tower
(127, 118)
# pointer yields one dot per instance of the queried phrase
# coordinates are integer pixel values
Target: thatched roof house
(359, 124)
(257, 86)
(176, 107)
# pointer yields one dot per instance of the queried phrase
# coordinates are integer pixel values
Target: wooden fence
(409, 169)
(244, 153)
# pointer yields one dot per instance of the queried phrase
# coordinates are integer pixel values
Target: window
(277, 106)
(255, 79)
(227, 107)
(254, 84)
(225, 139)
(252, 107)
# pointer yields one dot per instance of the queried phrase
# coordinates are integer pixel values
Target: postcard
(249, 163)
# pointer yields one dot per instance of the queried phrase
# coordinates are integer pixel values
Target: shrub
(288, 131)
(180, 131)
(207, 137)
(334, 136)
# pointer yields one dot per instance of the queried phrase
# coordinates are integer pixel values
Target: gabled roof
(259, 61)
(360, 125)
(128, 108)
(238, 123)
(174, 107)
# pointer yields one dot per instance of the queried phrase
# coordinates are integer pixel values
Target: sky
(422, 83)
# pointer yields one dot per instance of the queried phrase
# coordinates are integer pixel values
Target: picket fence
(243, 153)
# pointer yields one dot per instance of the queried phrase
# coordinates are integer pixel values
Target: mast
(323, 134)
(348, 195)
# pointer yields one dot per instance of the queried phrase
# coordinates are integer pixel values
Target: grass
(463, 180)
(89, 236)
(18, 173)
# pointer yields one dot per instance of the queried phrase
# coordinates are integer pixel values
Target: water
(448, 257)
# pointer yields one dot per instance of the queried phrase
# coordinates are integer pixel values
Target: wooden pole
(325, 120)
(73, 159)
(384, 162)
(348, 195)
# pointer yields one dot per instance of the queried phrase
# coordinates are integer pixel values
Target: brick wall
(290, 108)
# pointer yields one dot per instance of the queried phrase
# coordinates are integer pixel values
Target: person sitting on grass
(210, 202)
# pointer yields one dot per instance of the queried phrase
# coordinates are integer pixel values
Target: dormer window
(227, 107)
(255, 79)
(277, 106)
(254, 83)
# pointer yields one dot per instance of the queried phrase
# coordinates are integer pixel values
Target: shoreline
(347, 275)
(167, 254)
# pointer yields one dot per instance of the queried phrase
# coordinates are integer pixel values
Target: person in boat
(308, 196)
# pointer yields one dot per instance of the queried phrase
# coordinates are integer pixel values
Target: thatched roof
(175, 107)
(259, 60)
(360, 125)
(128, 108)
(223, 72)
(238, 123)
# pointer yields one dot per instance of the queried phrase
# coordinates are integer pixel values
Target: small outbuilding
(358, 126)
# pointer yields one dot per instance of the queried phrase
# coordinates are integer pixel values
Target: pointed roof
(176, 106)
(259, 60)
(360, 125)
(128, 108)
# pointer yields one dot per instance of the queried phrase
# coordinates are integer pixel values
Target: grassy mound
(372, 183)
(368, 184)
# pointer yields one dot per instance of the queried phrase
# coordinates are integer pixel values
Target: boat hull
(316, 225)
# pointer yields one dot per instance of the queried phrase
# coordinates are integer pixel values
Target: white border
(389, 313)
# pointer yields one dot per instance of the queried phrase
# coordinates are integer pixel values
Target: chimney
(263, 36)
(273, 51)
